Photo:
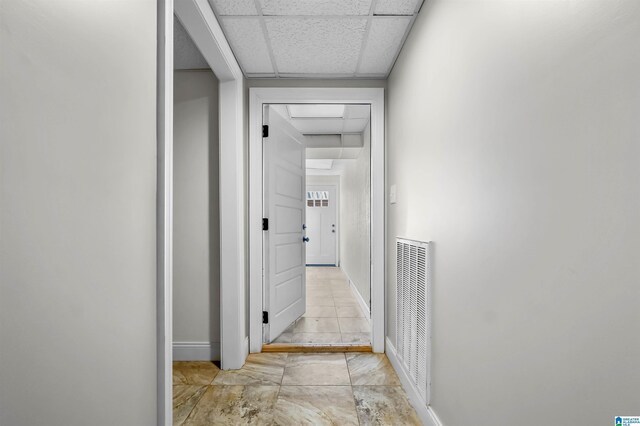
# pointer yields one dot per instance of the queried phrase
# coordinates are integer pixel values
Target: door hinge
(265, 317)
(265, 224)
(265, 131)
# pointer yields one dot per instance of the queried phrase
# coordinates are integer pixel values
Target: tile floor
(292, 389)
(333, 314)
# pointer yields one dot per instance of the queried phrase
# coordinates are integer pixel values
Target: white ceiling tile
(350, 153)
(318, 125)
(383, 44)
(316, 45)
(396, 7)
(352, 140)
(318, 7)
(247, 41)
(324, 141)
(316, 110)
(320, 153)
(319, 164)
(356, 125)
(234, 7)
(357, 111)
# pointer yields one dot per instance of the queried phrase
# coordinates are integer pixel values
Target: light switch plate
(392, 194)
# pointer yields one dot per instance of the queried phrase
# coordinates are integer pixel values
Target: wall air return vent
(413, 313)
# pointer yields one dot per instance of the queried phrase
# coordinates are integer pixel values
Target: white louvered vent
(413, 312)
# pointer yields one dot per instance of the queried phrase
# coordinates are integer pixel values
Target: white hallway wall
(78, 212)
(355, 219)
(514, 143)
(196, 267)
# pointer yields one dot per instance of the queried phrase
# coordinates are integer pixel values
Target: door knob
(305, 239)
(304, 226)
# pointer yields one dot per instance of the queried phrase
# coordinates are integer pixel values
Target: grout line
(196, 404)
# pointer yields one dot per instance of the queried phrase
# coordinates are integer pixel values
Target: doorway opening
(335, 228)
(318, 204)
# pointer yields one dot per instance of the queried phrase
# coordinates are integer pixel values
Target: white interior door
(284, 203)
(322, 228)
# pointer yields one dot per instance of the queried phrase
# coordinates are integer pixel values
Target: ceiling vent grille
(413, 313)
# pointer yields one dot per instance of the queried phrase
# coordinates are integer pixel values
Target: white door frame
(199, 21)
(286, 95)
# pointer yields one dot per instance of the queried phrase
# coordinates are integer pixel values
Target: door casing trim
(198, 19)
(258, 96)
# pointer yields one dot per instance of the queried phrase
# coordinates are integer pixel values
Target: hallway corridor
(292, 389)
(333, 314)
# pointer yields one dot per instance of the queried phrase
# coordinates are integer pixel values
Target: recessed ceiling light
(316, 111)
(319, 164)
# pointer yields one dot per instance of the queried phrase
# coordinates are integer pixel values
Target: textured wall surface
(355, 220)
(196, 267)
(77, 212)
(514, 144)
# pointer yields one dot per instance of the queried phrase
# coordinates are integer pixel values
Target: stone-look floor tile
(315, 287)
(185, 397)
(194, 372)
(316, 370)
(349, 312)
(283, 338)
(384, 405)
(320, 301)
(363, 338)
(345, 301)
(315, 405)
(371, 369)
(321, 312)
(260, 369)
(235, 405)
(354, 325)
(317, 325)
(323, 338)
(291, 327)
(311, 294)
(342, 294)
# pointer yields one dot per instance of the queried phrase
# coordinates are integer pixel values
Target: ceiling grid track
(365, 38)
(263, 24)
(404, 38)
(216, 13)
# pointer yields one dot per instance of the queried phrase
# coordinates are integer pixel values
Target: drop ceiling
(316, 122)
(316, 39)
(334, 133)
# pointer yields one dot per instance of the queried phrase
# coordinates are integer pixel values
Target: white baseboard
(196, 351)
(425, 412)
(361, 302)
